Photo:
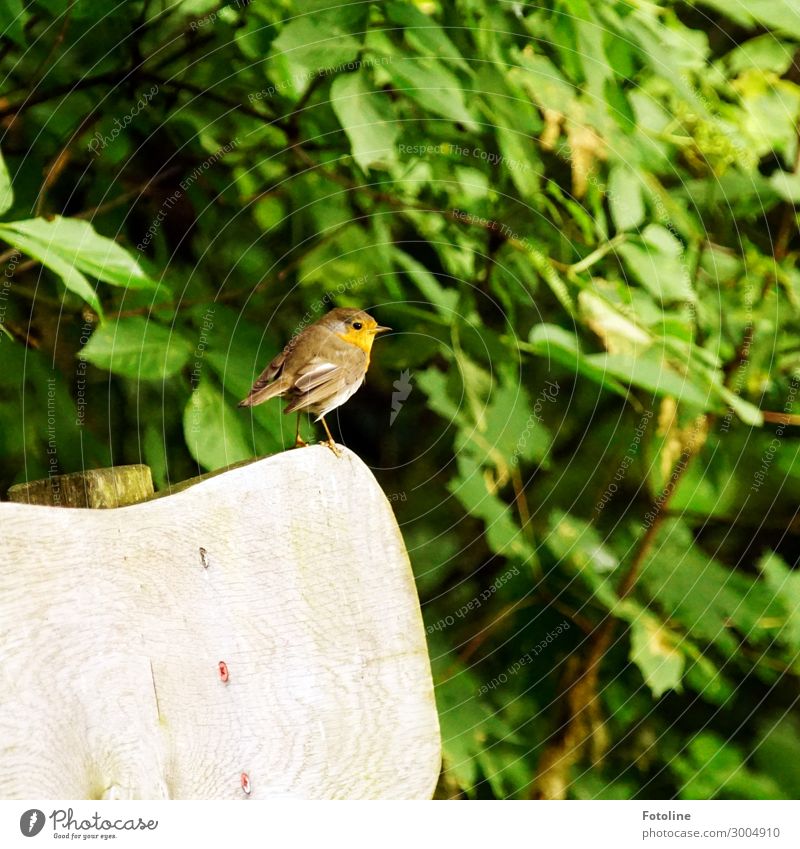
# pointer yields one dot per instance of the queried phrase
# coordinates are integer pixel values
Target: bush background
(581, 221)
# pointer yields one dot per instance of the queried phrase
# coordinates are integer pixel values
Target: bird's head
(354, 326)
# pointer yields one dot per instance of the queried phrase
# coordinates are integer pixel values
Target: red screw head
(246, 783)
(223, 672)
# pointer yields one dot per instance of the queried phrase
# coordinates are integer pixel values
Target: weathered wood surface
(291, 571)
(115, 487)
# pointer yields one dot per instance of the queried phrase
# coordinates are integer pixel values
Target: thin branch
(18, 108)
(118, 75)
(198, 91)
(781, 418)
(62, 158)
(580, 685)
(521, 500)
(37, 76)
(597, 254)
(581, 689)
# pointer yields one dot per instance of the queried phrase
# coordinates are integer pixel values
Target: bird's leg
(330, 443)
(299, 442)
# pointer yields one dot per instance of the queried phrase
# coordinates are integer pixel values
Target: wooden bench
(255, 635)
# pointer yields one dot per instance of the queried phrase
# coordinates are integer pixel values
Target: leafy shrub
(581, 221)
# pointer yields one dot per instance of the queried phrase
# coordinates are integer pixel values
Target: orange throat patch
(360, 338)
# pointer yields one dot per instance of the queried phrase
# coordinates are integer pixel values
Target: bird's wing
(269, 383)
(317, 373)
(320, 382)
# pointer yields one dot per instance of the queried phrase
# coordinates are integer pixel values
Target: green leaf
(619, 106)
(561, 346)
(544, 82)
(155, 451)
(511, 422)
(137, 348)
(620, 335)
(78, 244)
(519, 159)
(236, 351)
(550, 276)
(588, 35)
(658, 262)
(445, 300)
(6, 191)
(70, 276)
(777, 753)
(14, 18)
(785, 584)
(782, 15)
(705, 678)
(764, 53)
(467, 718)
(787, 185)
(709, 600)
(433, 87)
(705, 371)
(653, 651)
(367, 119)
(713, 766)
(749, 413)
(571, 538)
(214, 431)
(311, 45)
(652, 372)
(503, 533)
(505, 105)
(625, 198)
(434, 384)
(424, 34)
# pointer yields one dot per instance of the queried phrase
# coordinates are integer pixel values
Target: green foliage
(137, 348)
(581, 222)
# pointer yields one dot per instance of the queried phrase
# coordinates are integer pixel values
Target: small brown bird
(321, 367)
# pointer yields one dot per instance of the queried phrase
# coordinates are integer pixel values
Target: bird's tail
(263, 392)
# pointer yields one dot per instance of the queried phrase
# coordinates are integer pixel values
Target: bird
(320, 367)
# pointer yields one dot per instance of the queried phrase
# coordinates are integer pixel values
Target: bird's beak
(380, 329)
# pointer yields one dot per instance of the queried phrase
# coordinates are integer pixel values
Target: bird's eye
(357, 325)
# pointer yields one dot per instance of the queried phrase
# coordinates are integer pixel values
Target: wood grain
(291, 570)
(114, 487)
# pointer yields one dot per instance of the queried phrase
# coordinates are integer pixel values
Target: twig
(597, 254)
(6, 255)
(115, 76)
(37, 76)
(198, 91)
(291, 127)
(66, 88)
(480, 638)
(579, 686)
(62, 158)
(521, 500)
(781, 418)
(137, 191)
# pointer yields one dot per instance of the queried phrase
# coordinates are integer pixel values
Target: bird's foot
(332, 445)
(299, 442)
